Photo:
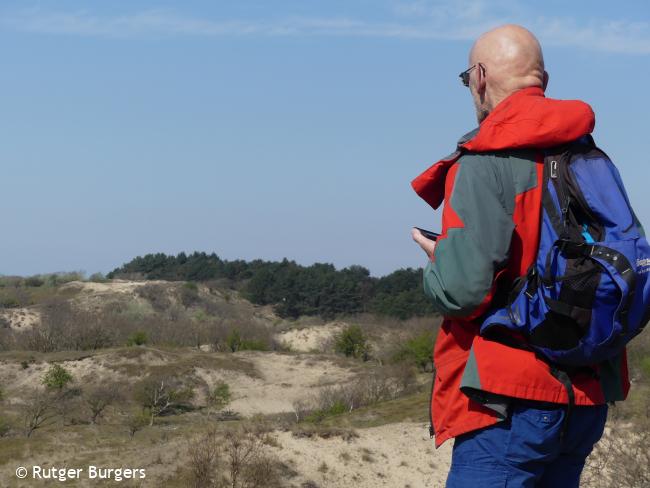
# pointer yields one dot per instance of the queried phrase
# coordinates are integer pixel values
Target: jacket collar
(525, 119)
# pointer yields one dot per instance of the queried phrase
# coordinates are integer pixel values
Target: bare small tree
(247, 464)
(160, 395)
(205, 461)
(39, 410)
(235, 459)
(301, 408)
(99, 397)
(241, 449)
(137, 421)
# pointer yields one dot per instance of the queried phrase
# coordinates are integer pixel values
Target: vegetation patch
(352, 342)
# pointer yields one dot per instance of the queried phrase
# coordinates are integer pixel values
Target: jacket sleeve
(477, 229)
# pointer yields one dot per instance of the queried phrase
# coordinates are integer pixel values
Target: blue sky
(259, 129)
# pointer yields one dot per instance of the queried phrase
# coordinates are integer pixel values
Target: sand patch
(110, 287)
(310, 339)
(395, 455)
(285, 378)
(21, 318)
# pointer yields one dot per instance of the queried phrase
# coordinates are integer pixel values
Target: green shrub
(138, 338)
(189, 294)
(57, 377)
(137, 421)
(62, 278)
(34, 281)
(190, 285)
(220, 395)
(233, 341)
(200, 316)
(353, 343)
(339, 407)
(253, 345)
(136, 311)
(97, 278)
(417, 350)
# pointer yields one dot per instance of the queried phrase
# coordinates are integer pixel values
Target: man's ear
(545, 81)
(481, 82)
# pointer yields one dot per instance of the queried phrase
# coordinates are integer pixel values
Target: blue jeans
(526, 450)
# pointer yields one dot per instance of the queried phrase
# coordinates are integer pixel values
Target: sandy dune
(395, 455)
(284, 379)
(16, 379)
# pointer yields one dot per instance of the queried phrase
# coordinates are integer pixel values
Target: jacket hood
(528, 119)
(525, 119)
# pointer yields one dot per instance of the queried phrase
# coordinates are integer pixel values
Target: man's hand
(427, 245)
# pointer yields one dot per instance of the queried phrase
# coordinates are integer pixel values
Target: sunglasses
(464, 76)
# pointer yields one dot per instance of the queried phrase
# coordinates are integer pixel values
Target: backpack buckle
(533, 282)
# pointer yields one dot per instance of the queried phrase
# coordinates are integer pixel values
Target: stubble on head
(481, 110)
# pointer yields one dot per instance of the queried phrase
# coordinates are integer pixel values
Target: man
(502, 405)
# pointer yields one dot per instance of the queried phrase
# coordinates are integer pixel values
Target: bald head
(512, 59)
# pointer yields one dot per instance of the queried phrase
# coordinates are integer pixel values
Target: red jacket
(491, 189)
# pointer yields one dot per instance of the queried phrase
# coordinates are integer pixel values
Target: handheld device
(428, 234)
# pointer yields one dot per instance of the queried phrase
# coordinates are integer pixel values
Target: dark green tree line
(293, 289)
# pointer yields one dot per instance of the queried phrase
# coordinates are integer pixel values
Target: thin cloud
(459, 20)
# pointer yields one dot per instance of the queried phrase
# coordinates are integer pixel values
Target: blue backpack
(588, 292)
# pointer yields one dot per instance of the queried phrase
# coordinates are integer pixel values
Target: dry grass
(235, 458)
(621, 458)
(140, 361)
